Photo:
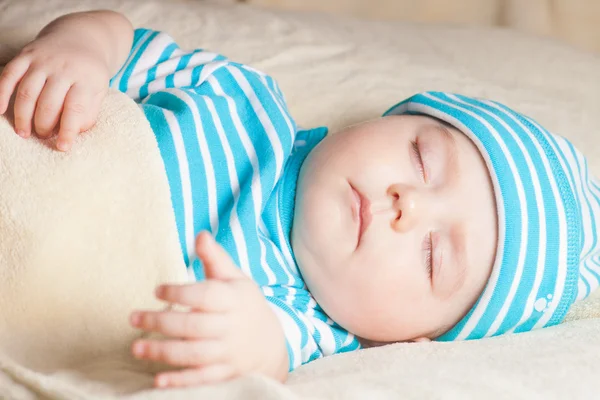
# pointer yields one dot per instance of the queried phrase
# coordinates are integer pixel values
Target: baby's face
(395, 228)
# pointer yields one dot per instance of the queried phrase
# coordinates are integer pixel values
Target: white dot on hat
(540, 304)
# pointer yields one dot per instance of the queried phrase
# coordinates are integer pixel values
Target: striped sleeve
(156, 62)
(224, 133)
(309, 333)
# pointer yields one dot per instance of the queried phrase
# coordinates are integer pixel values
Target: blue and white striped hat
(548, 253)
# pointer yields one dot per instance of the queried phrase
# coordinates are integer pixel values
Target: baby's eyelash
(428, 256)
(417, 153)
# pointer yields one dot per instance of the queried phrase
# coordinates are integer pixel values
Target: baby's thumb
(217, 263)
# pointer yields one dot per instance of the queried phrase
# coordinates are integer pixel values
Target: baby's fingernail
(136, 318)
(138, 349)
(160, 291)
(21, 133)
(63, 145)
(162, 381)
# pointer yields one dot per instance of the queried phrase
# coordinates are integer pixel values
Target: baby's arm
(62, 76)
(229, 331)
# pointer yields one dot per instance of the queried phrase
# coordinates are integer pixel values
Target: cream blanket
(85, 237)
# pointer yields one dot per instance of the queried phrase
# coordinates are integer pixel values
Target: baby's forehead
(437, 121)
(430, 123)
(420, 118)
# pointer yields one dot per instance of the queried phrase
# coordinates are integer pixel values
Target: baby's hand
(230, 330)
(60, 82)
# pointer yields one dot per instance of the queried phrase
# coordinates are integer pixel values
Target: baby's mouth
(361, 213)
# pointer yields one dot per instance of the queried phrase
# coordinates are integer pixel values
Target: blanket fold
(85, 238)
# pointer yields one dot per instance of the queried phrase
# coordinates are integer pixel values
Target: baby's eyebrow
(443, 127)
(450, 146)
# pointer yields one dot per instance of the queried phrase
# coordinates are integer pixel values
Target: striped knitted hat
(548, 253)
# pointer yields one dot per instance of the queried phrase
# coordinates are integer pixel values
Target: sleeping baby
(449, 218)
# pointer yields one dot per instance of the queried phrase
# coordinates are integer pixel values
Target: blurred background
(574, 21)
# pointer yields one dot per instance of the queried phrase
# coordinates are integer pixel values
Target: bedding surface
(333, 72)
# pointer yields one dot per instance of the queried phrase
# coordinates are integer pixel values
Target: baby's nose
(405, 206)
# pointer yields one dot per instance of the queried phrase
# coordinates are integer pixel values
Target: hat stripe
(589, 237)
(550, 306)
(588, 279)
(558, 143)
(486, 310)
(536, 250)
(591, 222)
(568, 232)
(553, 220)
(544, 188)
(595, 194)
(589, 231)
(546, 291)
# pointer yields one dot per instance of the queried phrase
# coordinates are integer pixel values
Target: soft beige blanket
(85, 237)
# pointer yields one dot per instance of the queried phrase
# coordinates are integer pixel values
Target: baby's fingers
(180, 353)
(26, 99)
(73, 118)
(197, 376)
(210, 296)
(49, 106)
(79, 113)
(10, 77)
(215, 259)
(180, 324)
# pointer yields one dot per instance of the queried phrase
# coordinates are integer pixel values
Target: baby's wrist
(106, 34)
